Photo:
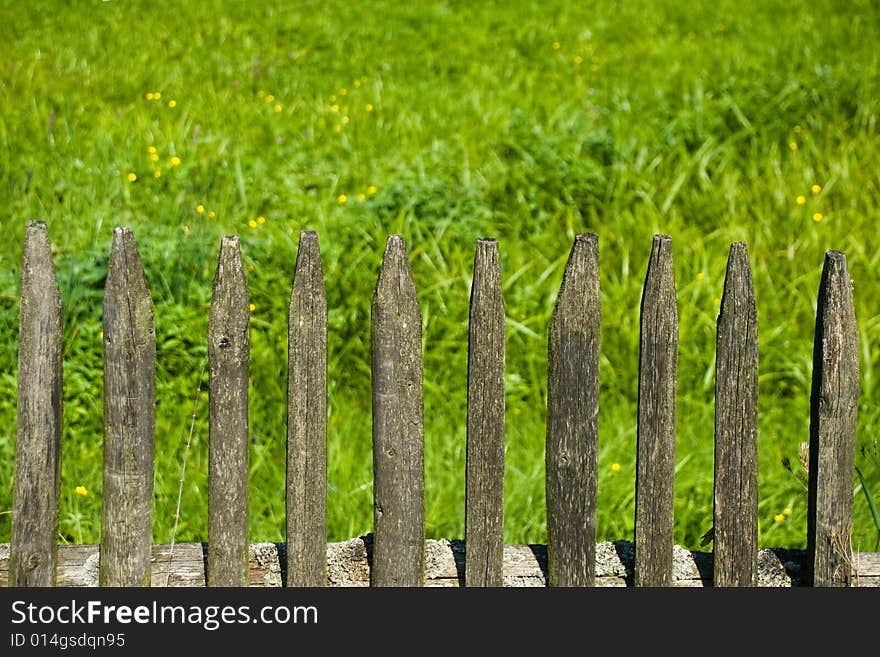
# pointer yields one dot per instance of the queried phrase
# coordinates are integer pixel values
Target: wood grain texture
(306, 501)
(398, 424)
(349, 565)
(572, 448)
(129, 418)
(37, 470)
(484, 478)
(735, 542)
(834, 403)
(655, 457)
(228, 367)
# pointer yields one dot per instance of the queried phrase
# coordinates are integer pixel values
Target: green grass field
(444, 122)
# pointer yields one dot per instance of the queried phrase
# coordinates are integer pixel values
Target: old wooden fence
(396, 553)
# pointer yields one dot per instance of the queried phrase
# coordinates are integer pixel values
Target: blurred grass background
(444, 122)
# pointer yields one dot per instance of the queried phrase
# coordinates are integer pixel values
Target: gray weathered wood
(655, 456)
(129, 418)
(572, 449)
(306, 500)
(398, 424)
(37, 474)
(735, 543)
(348, 565)
(484, 478)
(834, 404)
(228, 367)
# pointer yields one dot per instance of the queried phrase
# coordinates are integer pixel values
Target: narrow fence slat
(484, 483)
(572, 449)
(398, 424)
(129, 418)
(735, 543)
(228, 366)
(37, 475)
(655, 458)
(834, 403)
(306, 500)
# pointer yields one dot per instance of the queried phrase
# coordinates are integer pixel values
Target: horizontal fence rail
(397, 552)
(349, 564)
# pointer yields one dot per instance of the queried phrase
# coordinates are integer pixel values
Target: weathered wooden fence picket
(397, 553)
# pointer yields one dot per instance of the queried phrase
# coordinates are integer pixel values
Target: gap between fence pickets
(348, 565)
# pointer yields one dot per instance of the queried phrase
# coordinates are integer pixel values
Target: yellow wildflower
(172, 104)
(615, 467)
(154, 157)
(81, 490)
(252, 307)
(786, 511)
(815, 189)
(368, 107)
(701, 276)
(779, 517)
(793, 145)
(157, 173)
(335, 108)
(200, 208)
(174, 161)
(252, 223)
(556, 45)
(212, 214)
(149, 95)
(270, 98)
(345, 119)
(817, 217)
(343, 91)
(578, 59)
(132, 177)
(151, 149)
(342, 198)
(801, 199)
(261, 93)
(157, 95)
(372, 189)
(278, 108)
(362, 197)
(261, 219)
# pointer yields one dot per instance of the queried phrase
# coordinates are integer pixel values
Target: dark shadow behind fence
(397, 553)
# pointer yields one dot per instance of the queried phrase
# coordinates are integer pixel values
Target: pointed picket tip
(395, 281)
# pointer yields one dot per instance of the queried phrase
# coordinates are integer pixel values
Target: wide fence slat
(228, 367)
(37, 474)
(572, 448)
(129, 418)
(735, 543)
(655, 457)
(484, 477)
(306, 501)
(834, 405)
(398, 424)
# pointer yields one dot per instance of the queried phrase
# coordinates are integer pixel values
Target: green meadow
(711, 122)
